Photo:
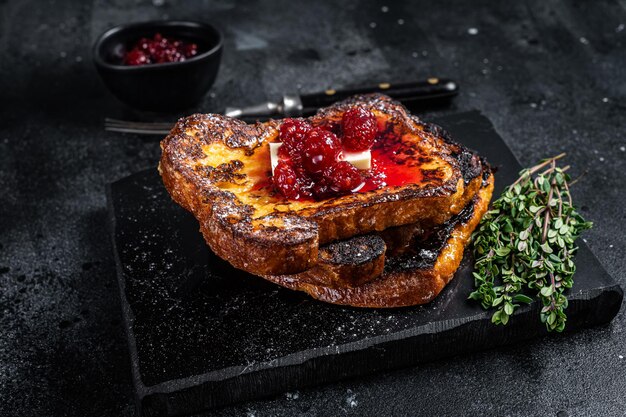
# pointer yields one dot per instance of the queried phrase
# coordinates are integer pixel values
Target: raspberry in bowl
(160, 50)
(164, 76)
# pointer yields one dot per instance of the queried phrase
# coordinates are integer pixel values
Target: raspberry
(293, 129)
(359, 129)
(136, 57)
(292, 182)
(190, 50)
(320, 151)
(286, 180)
(292, 133)
(343, 177)
(321, 189)
(283, 153)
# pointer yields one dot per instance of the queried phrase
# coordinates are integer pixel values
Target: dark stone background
(550, 75)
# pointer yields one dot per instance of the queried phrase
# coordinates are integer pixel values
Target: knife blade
(294, 105)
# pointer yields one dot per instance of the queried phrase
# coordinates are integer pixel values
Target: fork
(145, 128)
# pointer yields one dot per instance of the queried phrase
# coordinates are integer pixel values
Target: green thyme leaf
(546, 291)
(524, 246)
(522, 298)
(508, 308)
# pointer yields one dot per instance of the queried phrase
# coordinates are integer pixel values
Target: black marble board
(202, 334)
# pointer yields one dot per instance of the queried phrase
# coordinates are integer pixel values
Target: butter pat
(274, 154)
(360, 160)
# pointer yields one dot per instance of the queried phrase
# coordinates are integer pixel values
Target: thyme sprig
(524, 246)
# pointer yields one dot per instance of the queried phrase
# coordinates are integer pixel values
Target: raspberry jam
(159, 50)
(309, 165)
(388, 171)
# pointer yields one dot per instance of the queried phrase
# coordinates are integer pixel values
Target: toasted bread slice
(418, 262)
(219, 169)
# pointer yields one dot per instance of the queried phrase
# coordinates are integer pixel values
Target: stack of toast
(388, 247)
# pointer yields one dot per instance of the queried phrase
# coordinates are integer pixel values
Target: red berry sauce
(388, 172)
(309, 167)
(159, 50)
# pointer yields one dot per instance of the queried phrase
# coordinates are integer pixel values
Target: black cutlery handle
(432, 88)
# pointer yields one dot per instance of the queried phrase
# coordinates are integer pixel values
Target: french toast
(219, 169)
(402, 266)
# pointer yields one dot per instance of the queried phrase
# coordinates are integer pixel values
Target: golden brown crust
(400, 283)
(211, 165)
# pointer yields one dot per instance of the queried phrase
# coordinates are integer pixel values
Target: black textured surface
(356, 251)
(550, 75)
(203, 336)
(424, 248)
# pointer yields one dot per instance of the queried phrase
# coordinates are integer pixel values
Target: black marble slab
(202, 334)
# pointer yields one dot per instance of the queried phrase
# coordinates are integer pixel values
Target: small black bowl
(159, 87)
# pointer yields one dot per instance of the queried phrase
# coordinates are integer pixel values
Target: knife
(420, 93)
(294, 105)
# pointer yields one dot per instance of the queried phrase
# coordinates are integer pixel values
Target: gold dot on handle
(384, 86)
(330, 92)
(433, 80)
